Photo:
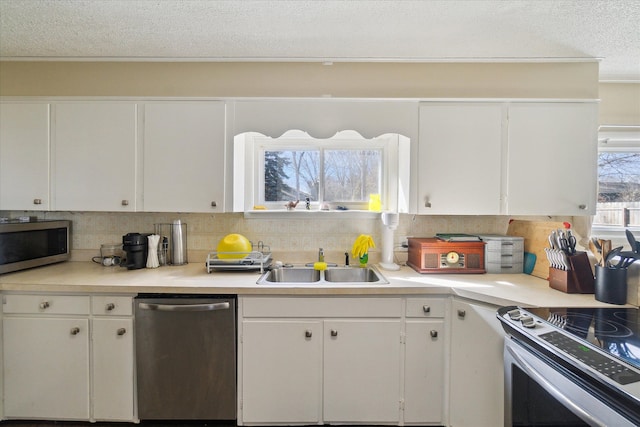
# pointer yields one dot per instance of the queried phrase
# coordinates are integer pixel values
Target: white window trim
(247, 168)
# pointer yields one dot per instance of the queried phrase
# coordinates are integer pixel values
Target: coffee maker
(136, 246)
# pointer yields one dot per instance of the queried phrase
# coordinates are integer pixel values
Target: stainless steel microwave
(32, 244)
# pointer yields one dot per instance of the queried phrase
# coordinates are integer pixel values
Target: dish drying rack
(258, 259)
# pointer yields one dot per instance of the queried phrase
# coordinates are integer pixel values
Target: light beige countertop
(89, 277)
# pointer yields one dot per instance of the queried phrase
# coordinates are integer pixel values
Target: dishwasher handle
(185, 307)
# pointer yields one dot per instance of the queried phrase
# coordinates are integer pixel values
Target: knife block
(578, 280)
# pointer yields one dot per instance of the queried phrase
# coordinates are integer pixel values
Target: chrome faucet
(321, 255)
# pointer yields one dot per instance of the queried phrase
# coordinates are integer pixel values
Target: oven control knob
(528, 322)
(514, 314)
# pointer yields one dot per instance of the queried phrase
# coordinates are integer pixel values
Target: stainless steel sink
(291, 275)
(333, 275)
(347, 274)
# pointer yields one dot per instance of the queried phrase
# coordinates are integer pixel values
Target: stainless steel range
(572, 366)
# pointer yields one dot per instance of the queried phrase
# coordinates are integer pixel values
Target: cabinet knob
(582, 207)
(214, 204)
(110, 306)
(426, 309)
(44, 305)
(75, 331)
(427, 203)
(462, 313)
(121, 331)
(308, 333)
(125, 203)
(433, 333)
(334, 333)
(37, 201)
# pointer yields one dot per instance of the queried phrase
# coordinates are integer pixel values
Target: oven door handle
(551, 389)
(185, 307)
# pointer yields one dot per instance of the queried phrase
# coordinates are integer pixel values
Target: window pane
(619, 189)
(291, 175)
(351, 175)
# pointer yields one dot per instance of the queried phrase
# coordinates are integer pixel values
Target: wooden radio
(433, 255)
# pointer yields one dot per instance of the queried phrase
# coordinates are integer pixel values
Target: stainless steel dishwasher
(186, 357)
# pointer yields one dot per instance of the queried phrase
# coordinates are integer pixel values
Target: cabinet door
(184, 156)
(281, 371)
(113, 369)
(424, 372)
(362, 371)
(476, 370)
(460, 158)
(46, 368)
(552, 166)
(24, 156)
(94, 156)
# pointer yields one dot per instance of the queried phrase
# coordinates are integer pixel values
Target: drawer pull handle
(44, 305)
(308, 333)
(121, 331)
(334, 333)
(75, 331)
(462, 313)
(110, 306)
(433, 333)
(426, 309)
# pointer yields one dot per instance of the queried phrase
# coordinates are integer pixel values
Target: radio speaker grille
(473, 260)
(431, 261)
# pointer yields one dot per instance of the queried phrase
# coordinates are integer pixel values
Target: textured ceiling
(325, 30)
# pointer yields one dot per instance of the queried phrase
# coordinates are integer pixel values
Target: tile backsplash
(294, 240)
(297, 237)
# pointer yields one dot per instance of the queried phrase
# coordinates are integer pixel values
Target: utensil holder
(577, 280)
(176, 235)
(611, 285)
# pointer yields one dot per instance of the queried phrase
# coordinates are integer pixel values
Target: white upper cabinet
(509, 158)
(94, 156)
(460, 158)
(184, 156)
(24, 156)
(552, 158)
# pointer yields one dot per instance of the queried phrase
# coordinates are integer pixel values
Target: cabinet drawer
(321, 307)
(45, 304)
(112, 305)
(426, 307)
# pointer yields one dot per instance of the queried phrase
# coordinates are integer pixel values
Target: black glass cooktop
(614, 330)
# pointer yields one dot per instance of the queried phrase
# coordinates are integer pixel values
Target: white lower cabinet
(282, 371)
(342, 360)
(62, 363)
(425, 367)
(362, 371)
(112, 371)
(320, 360)
(46, 367)
(476, 397)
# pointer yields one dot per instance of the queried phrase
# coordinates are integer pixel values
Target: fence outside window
(622, 214)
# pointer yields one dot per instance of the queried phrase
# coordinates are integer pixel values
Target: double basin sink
(331, 276)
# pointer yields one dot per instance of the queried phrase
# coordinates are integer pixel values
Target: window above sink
(338, 174)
